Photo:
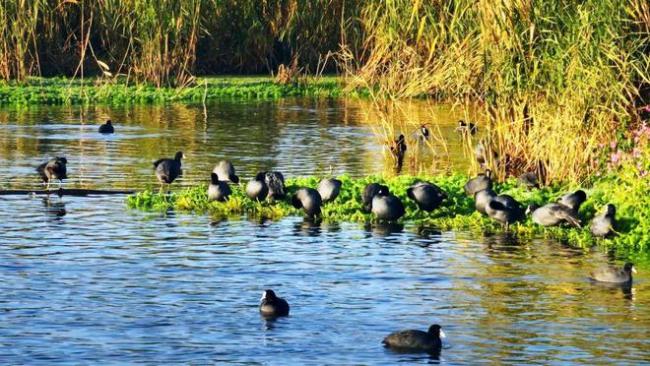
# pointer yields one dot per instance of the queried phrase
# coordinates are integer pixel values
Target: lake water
(87, 281)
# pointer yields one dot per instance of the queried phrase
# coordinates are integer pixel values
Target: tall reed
(556, 79)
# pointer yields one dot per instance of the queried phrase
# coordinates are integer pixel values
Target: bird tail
(571, 219)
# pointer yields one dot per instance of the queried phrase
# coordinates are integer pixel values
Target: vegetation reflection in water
(456, 213)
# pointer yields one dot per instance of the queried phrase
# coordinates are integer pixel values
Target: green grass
(629, 194)
(66, 91)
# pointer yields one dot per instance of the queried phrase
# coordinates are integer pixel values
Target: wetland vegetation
(561, 90)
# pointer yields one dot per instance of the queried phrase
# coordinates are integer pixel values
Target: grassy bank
(629, 194)
(68, 91)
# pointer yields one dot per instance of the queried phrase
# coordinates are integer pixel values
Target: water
(86, 281)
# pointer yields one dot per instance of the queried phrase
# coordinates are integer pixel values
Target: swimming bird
(528, 180)
(614, 275)
(218, 190)
(387, 207)
(482, 198)
(309, 200)
(54, 169)
(107, 127)
(273, 306)
(427, 196)
(226, 171)
(398, 149)
(504, 209)
(256, 189)
(573, 200)
(480, 182)
(553, 214)
(369, 192)
(329, 189)
(167, 170)
(466, 127)
(416, 340)
(275, 183)
(603, 225)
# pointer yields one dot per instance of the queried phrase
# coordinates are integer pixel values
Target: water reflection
(308, 227)
(384, 229)
(295, 136)
(54, 207)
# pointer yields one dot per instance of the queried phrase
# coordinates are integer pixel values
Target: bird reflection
(54, 208)
(268, 322)
(502, 243)
(624, 288)
(307, 227)
(384, 228)
(425, 236)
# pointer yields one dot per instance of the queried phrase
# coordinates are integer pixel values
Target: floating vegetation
(629, 193)
(68, 91)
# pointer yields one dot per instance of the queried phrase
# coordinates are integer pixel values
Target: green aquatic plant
(629, 193)
(68, 91)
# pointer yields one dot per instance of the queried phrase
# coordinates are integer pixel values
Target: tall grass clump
(556, 79)
(18, 37)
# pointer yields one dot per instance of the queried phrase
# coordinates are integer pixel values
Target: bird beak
(184, 156)
(442, 334)
(633, 270)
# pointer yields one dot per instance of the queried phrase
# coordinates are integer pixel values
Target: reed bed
(555, 80)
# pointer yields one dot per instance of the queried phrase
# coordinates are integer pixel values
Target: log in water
(64, 192)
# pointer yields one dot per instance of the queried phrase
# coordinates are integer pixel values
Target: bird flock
(385, 206)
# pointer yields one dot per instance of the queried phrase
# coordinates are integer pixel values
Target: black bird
(466, 127)
(398, 149)
(273, 306)
(226, 171)
(427, 196)
(614, 275)
(218, 190)
(107, 127)
(553, 214)
(416, 340)
(603, 224)
(275, 183)
(370, 192)
(167, 170)
(256, 189)
(329, 189)
(505, 210)
(309, 200)
(573, 200)
(482, 198)
(424, 132)
(480, 182)
(529, 180)
(54, 169)
(387, 207)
